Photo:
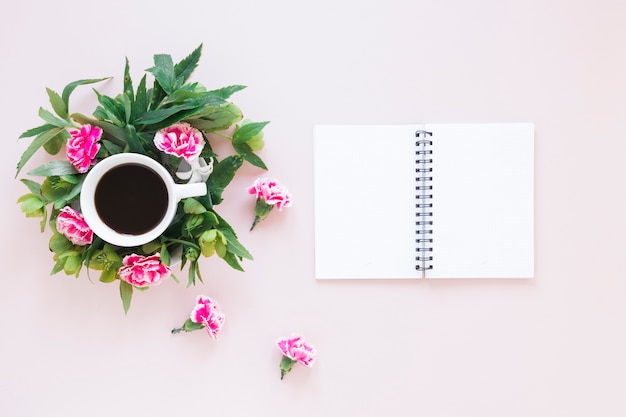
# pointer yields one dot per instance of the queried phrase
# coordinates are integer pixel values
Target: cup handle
(190, 190)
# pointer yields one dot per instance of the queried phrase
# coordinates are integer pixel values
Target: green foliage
(129, 122)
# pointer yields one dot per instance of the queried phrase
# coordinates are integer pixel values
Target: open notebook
(424, 201)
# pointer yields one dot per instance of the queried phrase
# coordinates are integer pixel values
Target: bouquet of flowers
(171, 122)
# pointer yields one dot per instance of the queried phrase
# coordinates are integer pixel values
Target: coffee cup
(129, 199)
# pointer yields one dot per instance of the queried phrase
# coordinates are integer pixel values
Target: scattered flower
(180, 140)
(204, 315)
(73, 226)
(83, 146)
(294, 350)
(143, 271)
(269, 194)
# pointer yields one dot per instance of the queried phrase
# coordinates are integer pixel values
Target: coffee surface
(131, 199)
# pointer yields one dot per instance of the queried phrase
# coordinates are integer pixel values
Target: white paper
(482, 201)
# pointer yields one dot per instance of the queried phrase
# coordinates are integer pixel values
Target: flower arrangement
(172, 122)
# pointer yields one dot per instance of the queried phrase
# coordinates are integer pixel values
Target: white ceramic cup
(175, 192)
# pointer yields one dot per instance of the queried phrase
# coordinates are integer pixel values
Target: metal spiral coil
(423, 182)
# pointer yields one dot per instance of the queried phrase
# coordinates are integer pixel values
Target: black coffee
(131, 199)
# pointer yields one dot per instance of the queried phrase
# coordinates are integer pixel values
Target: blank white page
(364, 201)
(482, 205)
(483, 223)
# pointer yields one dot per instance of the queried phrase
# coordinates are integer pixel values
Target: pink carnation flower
(271, 192)
(205, 312)
(180, 140)
(296, 349)
(143, 271)
(83, 146)
(73, 226)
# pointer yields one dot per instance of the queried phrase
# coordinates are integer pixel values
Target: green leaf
(192, 223)
(71, 178)
(156, 116)
(58, 105)
(216, 118)
(109, 275)
(73, 264)
(54, 168)
(248, 131)
(163, 71)
(54, 145)
(234, 246)
(73, 193)
(156, 94)
(186, 66)
(44, 219)
(198, 274)
(88, 256)
(134, 141)
(39, 141)
(165, 254)
(111, 109)
(112, 255)
(220, 248)
(152, 246)
(128, 82)
(191, 278)
(127, 105)
(67, 91)
(59, 191)
(31, 204)
(33, 186)
(193, 206)
(140, 104)
(36, 131)
(210, 219)
(58, 267)
(225, 92)
(194, 95)
(207, 242)
(115, 134)
(223, 172)
(126, 293)
(224, 224)
(232, 261)
(244, 150)
(51, 119)
(111, 147)
(59, 243)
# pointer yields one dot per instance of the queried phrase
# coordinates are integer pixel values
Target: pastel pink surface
(550, 346)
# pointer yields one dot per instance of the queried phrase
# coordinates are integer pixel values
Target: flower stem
(183, 242)
(257, 219)
(180, 329)
(222, 135)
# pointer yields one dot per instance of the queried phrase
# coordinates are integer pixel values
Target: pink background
(551, 346)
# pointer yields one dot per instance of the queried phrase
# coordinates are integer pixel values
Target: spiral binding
(423, 205)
